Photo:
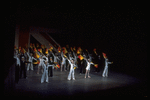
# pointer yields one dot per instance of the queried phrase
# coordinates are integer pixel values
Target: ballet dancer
(88, 67)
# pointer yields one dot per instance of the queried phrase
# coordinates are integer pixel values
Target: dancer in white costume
(71, 62)
(105, 72)
(63, 62)
(55, 57)
(45, 73)
(31, 61)
(41, 63)
(88, 67)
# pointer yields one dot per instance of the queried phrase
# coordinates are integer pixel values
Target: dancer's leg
(85, 73)
(89, 74)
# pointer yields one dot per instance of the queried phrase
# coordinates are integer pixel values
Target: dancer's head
(72, 61)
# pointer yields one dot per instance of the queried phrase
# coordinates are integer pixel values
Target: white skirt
(88, 68)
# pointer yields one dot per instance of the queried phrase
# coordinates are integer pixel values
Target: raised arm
(86, 59)
(28, 54)
(69, 61)
(34, 58)
(57, 58)
(74, 56)
(39, 54)
(69, 56)
(62, 54)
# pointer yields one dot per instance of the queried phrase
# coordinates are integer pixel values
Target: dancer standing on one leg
(88, 67)
(105, 72)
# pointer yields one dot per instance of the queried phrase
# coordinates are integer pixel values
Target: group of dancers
(65, 58)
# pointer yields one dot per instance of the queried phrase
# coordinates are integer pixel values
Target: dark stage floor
(116, 84)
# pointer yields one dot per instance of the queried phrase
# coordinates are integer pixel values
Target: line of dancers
(65, 59)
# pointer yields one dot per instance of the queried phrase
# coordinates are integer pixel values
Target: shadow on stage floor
(116, 84)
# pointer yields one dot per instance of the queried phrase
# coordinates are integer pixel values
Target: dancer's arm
(57, 58)
(75, 56)
(69, 61)
(28, 54)
(34, 58)
(49, 65)
(92, 63)
(39, 54)
(110, 62)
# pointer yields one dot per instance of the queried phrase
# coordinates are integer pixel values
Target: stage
(116, 84)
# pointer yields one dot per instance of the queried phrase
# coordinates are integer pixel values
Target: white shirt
(72, 65)
(88, 65)
(106, 62)
(18, 60)
(30, 57)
